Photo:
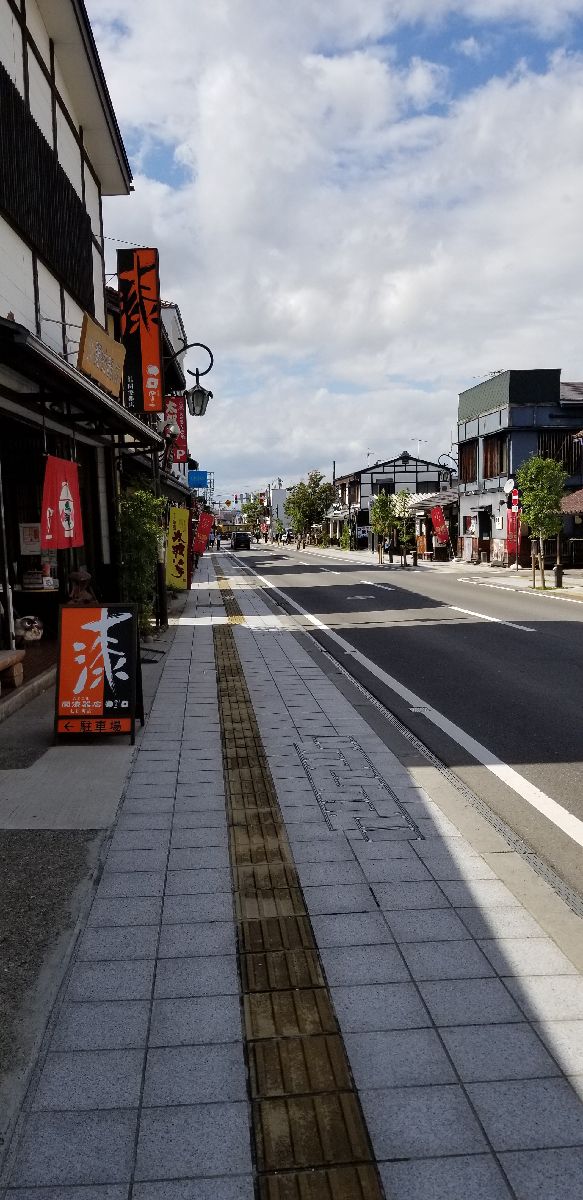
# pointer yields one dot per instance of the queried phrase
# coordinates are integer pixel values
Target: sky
(362, 208)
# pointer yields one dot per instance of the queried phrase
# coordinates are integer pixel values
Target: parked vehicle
(240, 540)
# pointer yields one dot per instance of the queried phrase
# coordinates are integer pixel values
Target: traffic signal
(262, 497)
(236, 498)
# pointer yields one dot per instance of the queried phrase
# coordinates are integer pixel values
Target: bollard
(414, 557)
(558, 574)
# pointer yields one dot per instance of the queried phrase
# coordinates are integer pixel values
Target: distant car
(240, 541)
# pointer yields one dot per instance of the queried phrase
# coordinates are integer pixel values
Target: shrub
(140, 518)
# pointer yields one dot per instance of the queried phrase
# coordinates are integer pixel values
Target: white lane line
(382, 586)
(469, 612)
(507, 587)
(544, 804)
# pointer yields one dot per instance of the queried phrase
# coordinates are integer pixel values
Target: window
(383, 487)
(468, 462)
(560, 445)
(495, 455)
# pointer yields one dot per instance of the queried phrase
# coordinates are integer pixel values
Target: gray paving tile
(531, 1114)
(500, 923)
(490, 1052)
(185, 837)
(446, 960)
(129, 942)
(195, 1021)
(406, 1058)
(564, 1039)
(91, 1192)
(195, 1075)
(363, 964)
(379, 1006)
(549, 998)
(240, 1188)
(124, 910)
(545, 1174)
(103, 1025)
(469, 1002)
(481, 893)
(332, 849)
(399, 896)
(212, 976)
(201, 1139)
(445, 866)
(384, 851)
(467, 1177)
(339, 898)
(148, 806)
(136, 821)
(426, 925)
(202, 937)
(76, 1148)
(140, 839)
(131, 883)
(395, 870)
(206, 879)
(189, 858)
(351, 929)
(336, 872)
(202, 906)
(530, 956)
(421, 1122)
(135, 860)
(111, 980)
(90, 1080)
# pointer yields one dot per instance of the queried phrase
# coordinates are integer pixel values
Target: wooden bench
(11, 669)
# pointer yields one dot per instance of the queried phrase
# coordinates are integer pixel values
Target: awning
(68, 396)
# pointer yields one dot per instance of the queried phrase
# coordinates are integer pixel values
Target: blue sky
(362, 211)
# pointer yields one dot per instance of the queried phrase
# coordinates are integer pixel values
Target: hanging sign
(98, 681)
(100, 356)
(439, 524)
(513, 533)
(175, 414)
(198, 479)
(177, 550)
(139, 298)
(201, 537)
(61, 522)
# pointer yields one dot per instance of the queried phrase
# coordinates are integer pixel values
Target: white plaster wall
(16, 278)
(50, 309)
(40, 98)
(73, 321)
(98, 293)
(38, 30)
(62, 88)
(68, 152)
(11, 46)
(92, 202)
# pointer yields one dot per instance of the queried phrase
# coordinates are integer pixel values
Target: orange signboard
(98, 681)
(139, 298)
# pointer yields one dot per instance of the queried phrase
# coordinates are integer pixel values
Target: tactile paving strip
(310, 1137)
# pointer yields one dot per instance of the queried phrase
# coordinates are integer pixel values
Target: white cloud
(470, 47)
(353, 254)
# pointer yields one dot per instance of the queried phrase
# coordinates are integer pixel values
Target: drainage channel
(310, 1137)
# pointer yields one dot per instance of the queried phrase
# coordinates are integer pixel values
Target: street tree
(541, 482)
(382, 520)
(253, 512)
(403, 521)
(308, 502)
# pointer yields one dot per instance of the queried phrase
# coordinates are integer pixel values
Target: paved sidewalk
(170, 1071)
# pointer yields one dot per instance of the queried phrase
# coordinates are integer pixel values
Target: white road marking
(469, 612)
(351, 597)
(549, 808)
(371, 583)
(507, 587)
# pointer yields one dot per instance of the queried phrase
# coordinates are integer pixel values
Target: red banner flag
(205, 524)
(175, 414)
(139, 304)
(61, 522)
(439, 524)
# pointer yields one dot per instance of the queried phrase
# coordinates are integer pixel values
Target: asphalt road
(506, 667)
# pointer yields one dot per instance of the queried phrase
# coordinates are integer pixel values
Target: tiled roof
(573, 503)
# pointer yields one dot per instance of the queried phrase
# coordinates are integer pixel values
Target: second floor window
(495, 455)
(468, 466)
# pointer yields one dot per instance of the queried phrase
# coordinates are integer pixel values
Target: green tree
(382, 519)
(141, 516)
(345, 537)
(403, 521)
(542, 485)
(308, 502)
(253, 511)
(279, 528)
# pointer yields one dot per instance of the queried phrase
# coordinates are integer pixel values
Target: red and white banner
(439, 524)
(201, 537)
(61, 522)
(513, 534)
(175, 414)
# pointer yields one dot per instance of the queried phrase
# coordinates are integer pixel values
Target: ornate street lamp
(197, 397)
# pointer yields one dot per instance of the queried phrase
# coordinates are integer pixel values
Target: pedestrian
(218, 539)
(211, 539)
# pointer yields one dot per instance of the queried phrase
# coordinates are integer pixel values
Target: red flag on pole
(61, 521)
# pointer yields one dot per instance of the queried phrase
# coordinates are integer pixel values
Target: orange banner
(139, 298)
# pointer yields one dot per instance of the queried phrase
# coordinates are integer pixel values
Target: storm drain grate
(310, 1137)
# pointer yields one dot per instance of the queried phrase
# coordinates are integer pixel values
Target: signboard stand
(99, 678)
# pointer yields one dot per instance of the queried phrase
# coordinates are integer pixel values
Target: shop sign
(98, 681)
(29, 537)
(439, 524)
(205, 524)
(513, 533)
(61, 522)
(177, 550)
(198, 479)
(139, 297)
(100, 356)
(175, 414)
